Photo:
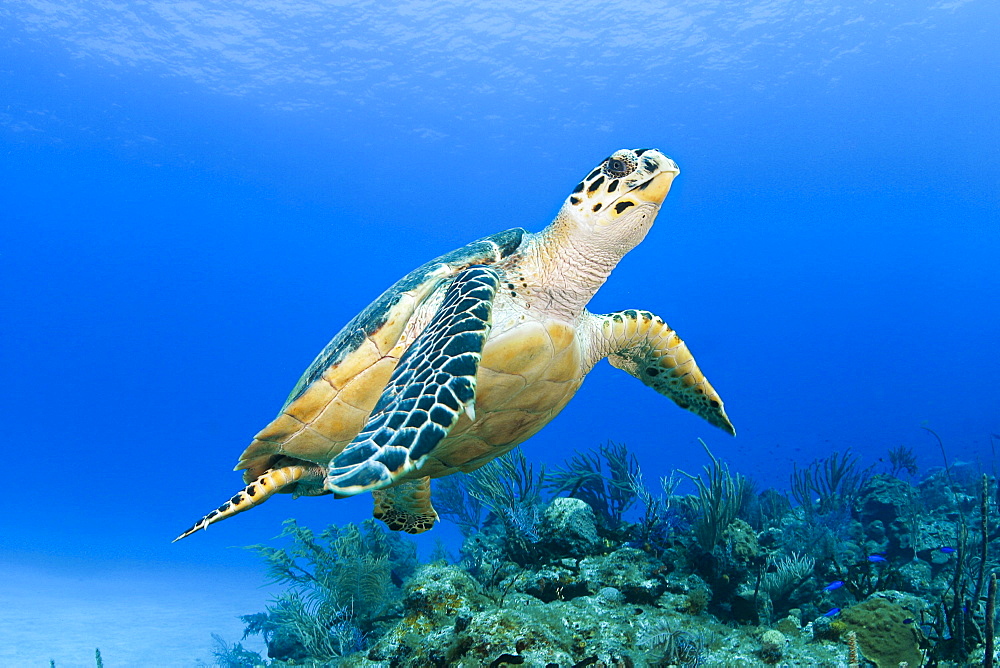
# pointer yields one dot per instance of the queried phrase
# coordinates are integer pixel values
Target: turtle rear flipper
(406, 507)
(257, 492)
(432, 385)
(643, 345)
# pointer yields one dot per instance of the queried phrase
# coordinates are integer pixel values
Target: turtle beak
(664, 170)
(655, 190)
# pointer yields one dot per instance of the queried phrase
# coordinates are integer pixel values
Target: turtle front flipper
(257, 492)
(406, 507)
(432, 385)
(643, 345)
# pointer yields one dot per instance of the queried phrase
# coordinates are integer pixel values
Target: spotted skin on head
(406, 507)
(643, 345)
(620, 183)
(433, 384)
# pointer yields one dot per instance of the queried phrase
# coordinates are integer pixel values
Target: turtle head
(616, 203)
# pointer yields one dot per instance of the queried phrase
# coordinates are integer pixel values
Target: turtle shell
(332, 400)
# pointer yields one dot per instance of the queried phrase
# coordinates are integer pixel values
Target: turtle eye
(620, 164)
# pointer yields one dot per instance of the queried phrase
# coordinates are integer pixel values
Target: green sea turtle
(471, 354)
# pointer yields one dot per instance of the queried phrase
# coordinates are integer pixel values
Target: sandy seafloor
(137, 614)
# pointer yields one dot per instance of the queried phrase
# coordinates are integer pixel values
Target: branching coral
(788, 573)
(506, 483)
(306, 627)
(665, 645)
(602, 478)
(902, 459)
(453, 502)
(339, 582)
(766, 509)
(661, 515)
(509, 487)
(235, 655)
(720, 498)
(828, 484)
(349, 566)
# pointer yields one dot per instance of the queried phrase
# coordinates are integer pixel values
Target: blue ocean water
(194, 197)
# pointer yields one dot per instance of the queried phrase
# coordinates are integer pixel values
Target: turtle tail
(254, 494)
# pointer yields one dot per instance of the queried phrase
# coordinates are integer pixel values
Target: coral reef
(586, 566)
(884, 635)
(772, 646)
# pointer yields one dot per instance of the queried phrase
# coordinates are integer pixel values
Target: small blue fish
(947, 550)
(876, 558)
(832, 613)
(836, 584)
(908, 620)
